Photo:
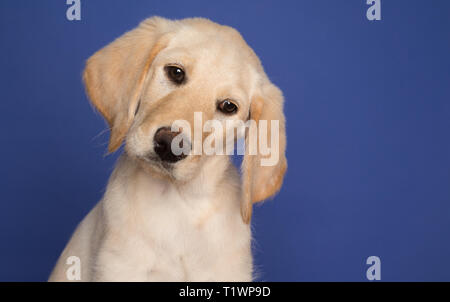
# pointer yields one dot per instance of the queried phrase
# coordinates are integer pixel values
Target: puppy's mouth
(156, 162)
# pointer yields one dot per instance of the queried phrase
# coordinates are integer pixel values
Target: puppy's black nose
(163, 145)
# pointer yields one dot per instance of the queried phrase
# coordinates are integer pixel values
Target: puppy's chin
(181, 171)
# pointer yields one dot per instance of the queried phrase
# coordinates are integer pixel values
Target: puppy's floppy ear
(114, 76)
(261, 181)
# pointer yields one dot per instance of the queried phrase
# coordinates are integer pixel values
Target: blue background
(368, 116)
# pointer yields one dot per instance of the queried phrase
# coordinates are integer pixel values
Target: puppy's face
(171, 84)
(198, 76)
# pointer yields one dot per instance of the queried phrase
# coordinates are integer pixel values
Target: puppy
(167, 216)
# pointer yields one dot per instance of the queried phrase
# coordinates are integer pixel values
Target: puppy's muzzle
(163, 145)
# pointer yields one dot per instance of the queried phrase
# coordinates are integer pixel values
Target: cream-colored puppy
(168, 217)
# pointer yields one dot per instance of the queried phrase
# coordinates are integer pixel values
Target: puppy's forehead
(209, 41)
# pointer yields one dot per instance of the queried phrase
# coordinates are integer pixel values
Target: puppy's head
(163, 81)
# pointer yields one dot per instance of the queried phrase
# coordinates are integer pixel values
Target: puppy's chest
(184, 225)
(185, 239)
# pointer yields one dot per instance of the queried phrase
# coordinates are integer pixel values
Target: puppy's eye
(227, 107)
(175, 74)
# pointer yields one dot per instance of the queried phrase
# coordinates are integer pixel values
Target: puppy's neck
(208, 178)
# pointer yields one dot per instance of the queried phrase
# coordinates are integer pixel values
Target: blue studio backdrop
(368, 120)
